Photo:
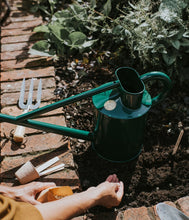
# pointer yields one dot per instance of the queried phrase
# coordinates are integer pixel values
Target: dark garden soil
(156, 175)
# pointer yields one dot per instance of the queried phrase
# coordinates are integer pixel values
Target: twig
(178, 142)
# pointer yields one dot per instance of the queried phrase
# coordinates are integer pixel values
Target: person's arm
(107, 194)
(25, 193)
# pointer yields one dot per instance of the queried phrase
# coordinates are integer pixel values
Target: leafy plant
(152, 37)
(46, 6)
(65, 33)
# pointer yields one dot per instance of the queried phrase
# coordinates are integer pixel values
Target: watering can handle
(158, 76)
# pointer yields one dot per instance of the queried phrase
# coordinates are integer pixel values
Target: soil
(157, 174)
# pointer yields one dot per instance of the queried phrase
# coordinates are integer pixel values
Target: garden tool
(121, 111)
(20, 130)
(28, 172)
(167, 212)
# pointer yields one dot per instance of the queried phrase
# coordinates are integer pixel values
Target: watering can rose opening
(121, 111)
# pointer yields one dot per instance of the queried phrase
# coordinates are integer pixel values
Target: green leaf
(186, 34)
(176, 44)
(88, 43)
(41, 48)
(34, 8)
(59, 31)
(52, 4)
(107, 7)
(169, 58)
(44, 9)
(171, 10)
(62, 15)
(77, 38)
(184, 42)
(93, 3)
(117, 30)
(77, 9)
(42, 28)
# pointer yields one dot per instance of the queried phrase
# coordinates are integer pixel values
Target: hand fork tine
(21, 98)
(30, 95)
(38, 96)
(20, 130)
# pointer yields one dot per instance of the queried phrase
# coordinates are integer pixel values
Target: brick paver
(16, 39)
(27, 73)
(183, 203)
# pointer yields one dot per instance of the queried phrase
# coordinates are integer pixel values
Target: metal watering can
(121, 110)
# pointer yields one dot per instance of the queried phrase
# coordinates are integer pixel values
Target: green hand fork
(20, 130)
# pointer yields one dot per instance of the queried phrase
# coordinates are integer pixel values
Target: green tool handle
(67, 101)
(158, 76)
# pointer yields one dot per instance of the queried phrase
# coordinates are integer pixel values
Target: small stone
(68, 116)
(81, 140)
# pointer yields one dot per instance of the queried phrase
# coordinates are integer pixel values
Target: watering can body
(119, 133)
(121, 110)
(121, 115)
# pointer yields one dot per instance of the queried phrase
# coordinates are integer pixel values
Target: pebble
(81, 140)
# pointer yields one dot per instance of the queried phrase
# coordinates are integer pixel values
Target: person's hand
(28, 192)
(110, 191)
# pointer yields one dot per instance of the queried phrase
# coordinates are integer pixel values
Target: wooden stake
(178, 142)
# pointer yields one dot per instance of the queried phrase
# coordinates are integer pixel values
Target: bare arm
(107, 194)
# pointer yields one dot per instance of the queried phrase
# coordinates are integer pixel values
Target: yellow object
(55, 193)
(10, 209)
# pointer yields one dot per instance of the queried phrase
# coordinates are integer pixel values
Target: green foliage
(65, 33)
(152, 37)
(46, 6)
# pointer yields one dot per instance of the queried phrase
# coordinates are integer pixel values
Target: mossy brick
(66, 176)
(12, 163)
(14, 47)
(25, 63)
(53, 117)
(183, 204)
(25, 24)
(137, 214)
(16, 32)
(21, 38)
(11, 87)
(7, 128)
(17, 55)
(27, 73)
(32, 143)
(8, 99)
(23, 18)
(15, 111)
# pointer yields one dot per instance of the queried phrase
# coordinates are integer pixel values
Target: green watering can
(121, 110)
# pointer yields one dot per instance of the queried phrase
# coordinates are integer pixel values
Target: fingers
(120, 190)
(112, 178)
(41, 186)
(33, 201)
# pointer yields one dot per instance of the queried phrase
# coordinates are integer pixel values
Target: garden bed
(156, 175)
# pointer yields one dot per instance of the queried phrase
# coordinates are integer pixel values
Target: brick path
(16, 63)
(16, 38)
